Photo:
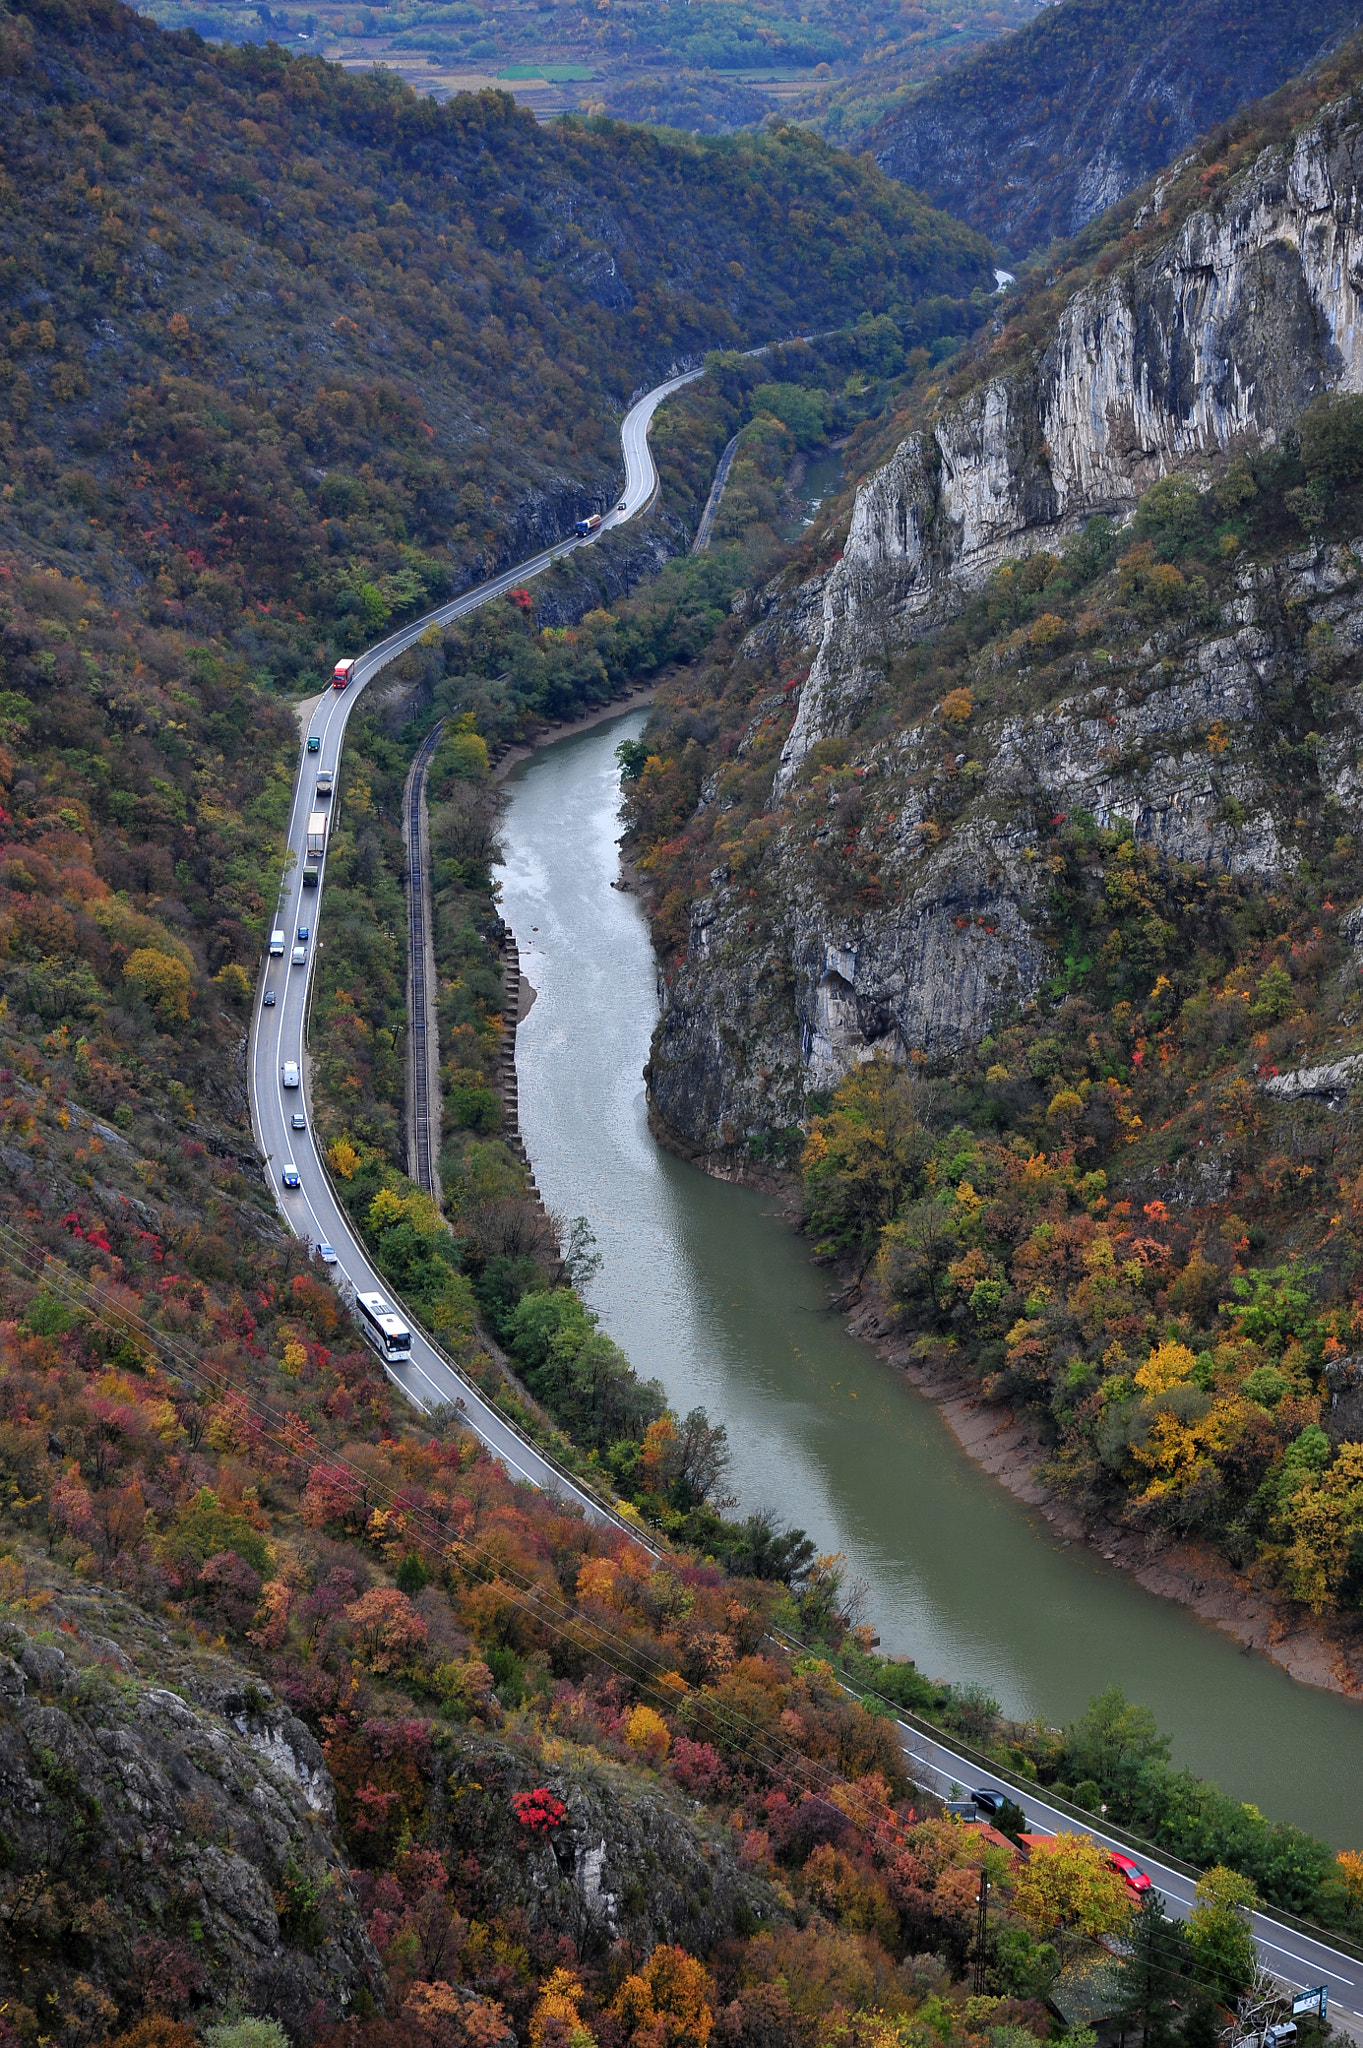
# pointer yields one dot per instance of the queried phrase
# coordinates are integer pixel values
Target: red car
(1136, 1879)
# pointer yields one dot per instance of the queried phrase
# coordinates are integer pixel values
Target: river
(706, 1290)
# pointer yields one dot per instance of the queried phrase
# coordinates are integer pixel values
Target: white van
(291, 1074)
(276, 940)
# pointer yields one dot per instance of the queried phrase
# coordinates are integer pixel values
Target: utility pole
(981, 1929)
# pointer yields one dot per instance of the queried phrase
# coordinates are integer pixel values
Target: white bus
(386, 1331)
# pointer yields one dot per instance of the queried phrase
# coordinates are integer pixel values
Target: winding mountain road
(431, 1380)
(1296, 1957)
(278, 1032)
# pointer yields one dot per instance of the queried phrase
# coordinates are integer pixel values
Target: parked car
(290, 1176)
(300, 954)
(298, 1122)
(269, 999)
(326, 1254)
(314, 743)
(1136, 1879)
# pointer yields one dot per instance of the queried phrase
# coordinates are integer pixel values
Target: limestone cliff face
(1220, 339)
(1216, 341)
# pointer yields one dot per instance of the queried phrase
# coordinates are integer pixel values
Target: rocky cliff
(169, 1834)
(168, 1827)
(1040, 133)
(901, 899)
(1215, 342)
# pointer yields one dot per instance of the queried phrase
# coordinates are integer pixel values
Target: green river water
(709, 1292)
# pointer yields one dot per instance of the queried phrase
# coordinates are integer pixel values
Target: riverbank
(637, 700)
(739, 1173)
(1003, 1445)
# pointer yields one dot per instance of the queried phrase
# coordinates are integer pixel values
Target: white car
(326, 1254)
(300, 954)
(289, 1074)
(298, 1121)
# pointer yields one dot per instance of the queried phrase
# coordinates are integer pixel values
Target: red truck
(342, 673)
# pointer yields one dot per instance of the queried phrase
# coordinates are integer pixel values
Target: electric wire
(644, 1667)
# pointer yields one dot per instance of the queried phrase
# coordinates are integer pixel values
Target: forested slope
(277, 334)
(1041, 131)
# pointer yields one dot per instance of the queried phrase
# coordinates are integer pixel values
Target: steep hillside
(1055, 813)
(249, 421)
(276, 334)
(1035, 135)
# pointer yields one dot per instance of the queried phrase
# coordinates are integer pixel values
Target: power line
(645, 1668)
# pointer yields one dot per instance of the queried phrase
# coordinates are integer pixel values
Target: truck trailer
(314, 848)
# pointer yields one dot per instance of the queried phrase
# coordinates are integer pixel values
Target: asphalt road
(1295, 1958)
(429, 1381)
(278, 1033)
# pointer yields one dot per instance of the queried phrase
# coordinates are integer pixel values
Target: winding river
(707, 1291)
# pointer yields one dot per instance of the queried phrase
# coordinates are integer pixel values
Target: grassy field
(687, 59)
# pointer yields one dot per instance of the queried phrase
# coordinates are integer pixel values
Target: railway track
(423, 1054)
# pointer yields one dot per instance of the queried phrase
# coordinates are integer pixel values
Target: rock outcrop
(1213, 343)
(631, 1861)
(1218, 340)
(167, 1829)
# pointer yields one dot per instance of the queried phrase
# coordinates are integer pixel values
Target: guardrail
(1328, 1937)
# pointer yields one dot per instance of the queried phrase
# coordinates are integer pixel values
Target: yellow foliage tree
(342, 1158)
(1349, 1877)
(647, 1732)
(1048, 631)
(1326, 1519)
(386, 1208)
(1068, 1883)
(1167, 1366)
(234, 982)
(556, 2021)
(667, 2003)
(163, 980)
(464, 751)
(597, 1579)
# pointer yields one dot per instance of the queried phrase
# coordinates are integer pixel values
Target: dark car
(269, 999)
(314, 743)
(990, 1802)
(303, 931)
